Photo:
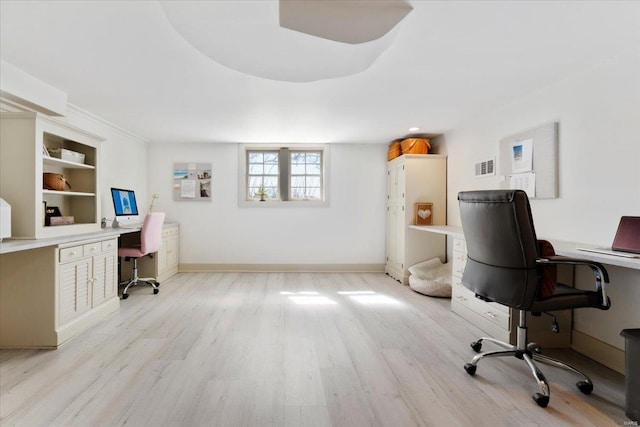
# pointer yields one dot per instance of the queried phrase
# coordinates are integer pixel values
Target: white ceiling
(447, 62)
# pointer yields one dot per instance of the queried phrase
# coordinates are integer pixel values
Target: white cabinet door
(171, 245)
(75, 289)
(104, 278)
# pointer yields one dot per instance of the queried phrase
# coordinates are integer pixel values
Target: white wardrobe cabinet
(412, 179)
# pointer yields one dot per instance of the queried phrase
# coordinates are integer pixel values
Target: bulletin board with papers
(529, 161)
(192, 181)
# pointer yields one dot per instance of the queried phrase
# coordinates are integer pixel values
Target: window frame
(284, 175)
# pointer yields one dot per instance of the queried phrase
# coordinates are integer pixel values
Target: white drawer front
(92, 248)
(459, 262)
(69, 254)
(169, 231)
(109, 245)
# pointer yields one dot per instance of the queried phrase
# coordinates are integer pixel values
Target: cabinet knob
(72, 253)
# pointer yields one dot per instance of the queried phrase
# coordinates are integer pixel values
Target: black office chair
(504, 265)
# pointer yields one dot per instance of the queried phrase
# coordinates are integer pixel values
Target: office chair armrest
(598, 270)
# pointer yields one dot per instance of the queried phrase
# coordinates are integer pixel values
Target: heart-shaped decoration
(424, 213)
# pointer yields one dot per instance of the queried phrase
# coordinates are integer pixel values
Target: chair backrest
(501, 246)
(151, 233)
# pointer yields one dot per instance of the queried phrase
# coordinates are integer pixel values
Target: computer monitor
(124, 202)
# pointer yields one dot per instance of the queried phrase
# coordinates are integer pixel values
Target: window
(283, 174)
(263, 174)
(305, 175)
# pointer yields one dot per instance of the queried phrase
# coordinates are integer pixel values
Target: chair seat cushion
(133, 252)
(566, 297)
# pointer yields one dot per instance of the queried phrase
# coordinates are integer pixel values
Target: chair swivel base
(133, 282)
(530, 354)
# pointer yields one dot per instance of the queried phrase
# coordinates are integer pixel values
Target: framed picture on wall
(424, 213)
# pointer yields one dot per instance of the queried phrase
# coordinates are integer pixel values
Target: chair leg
(585, 386)
(541, 399)
(135, 280)
(477, 345)
(523, 351)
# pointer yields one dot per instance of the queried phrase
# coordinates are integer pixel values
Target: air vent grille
(486, 168)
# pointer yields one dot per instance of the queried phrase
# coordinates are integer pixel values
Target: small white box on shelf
(5, 219)
(64, 154)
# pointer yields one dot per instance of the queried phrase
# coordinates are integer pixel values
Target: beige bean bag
(432, 278)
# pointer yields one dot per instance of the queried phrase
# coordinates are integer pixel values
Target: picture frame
(51, 211)
(424, 213)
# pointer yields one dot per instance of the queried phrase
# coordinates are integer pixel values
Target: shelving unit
(23, 137)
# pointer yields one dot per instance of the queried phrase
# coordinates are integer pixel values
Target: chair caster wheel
(471, 369)
(541, 399)
(476, 346)
(155, 291)
(534, 348)
(585, 387)
(125, 296)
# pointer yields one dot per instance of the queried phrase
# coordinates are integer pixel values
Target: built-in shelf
(26, 139)
(67, 193)
(52, 161)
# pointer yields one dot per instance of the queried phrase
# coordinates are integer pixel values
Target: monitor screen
(124, 202)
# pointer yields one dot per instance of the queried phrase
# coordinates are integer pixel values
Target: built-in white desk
(51, 289)
(561, 247)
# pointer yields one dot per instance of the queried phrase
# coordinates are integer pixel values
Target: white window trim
(242, 174)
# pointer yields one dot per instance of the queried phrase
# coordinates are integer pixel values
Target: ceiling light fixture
(414, 129)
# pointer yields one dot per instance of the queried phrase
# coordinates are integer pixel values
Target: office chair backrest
(501, 246)
(151, 233)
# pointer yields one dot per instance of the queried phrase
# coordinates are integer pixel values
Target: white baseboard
(284, 268)
(610, 356)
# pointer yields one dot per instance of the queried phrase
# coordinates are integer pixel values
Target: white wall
(351, 230)
(599, 170)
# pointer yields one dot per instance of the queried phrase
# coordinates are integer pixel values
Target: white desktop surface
(16, 245)
(568, 249)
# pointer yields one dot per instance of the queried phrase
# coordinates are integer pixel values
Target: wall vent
(486, 167)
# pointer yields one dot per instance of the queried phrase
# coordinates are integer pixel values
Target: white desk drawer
(169, 231)
(69, 254)
(92, 248)
(459, 262)
(109, 245)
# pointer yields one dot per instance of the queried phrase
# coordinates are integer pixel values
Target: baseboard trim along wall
(284, 268)
(610, 356)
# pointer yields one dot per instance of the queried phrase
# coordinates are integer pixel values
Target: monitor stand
(115, 223)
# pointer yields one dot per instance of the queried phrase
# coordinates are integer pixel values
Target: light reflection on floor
(362, 297)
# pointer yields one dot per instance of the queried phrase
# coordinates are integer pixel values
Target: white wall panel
(350, 230)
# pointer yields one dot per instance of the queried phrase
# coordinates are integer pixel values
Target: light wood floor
(230, 349)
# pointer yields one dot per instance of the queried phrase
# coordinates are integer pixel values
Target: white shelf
(451, 230)
(53, 161)
(67, 193)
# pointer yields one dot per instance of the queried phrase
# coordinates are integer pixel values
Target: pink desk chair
(150, 242)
